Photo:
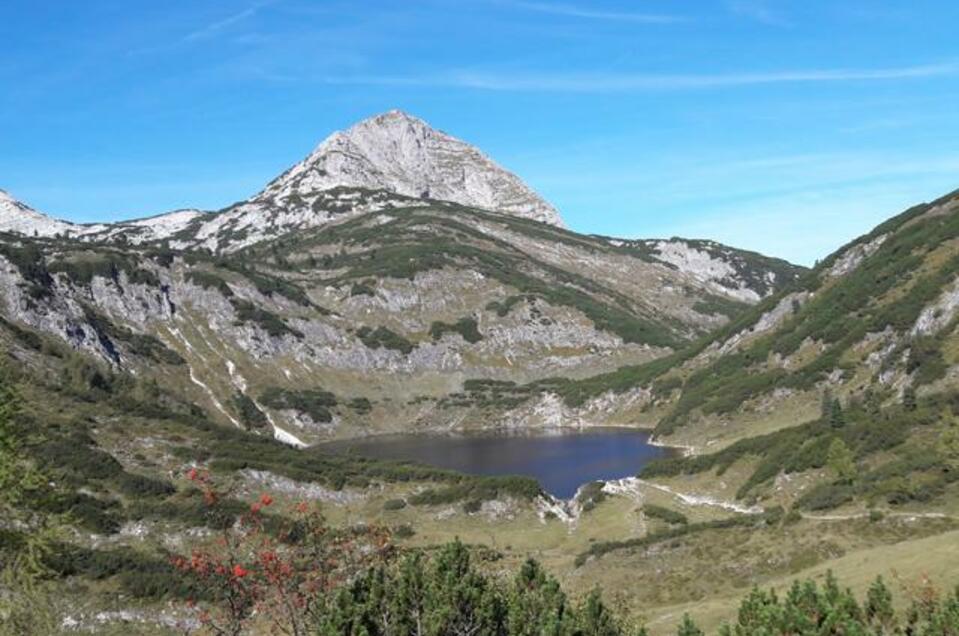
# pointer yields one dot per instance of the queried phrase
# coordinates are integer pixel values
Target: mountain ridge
(879, 315)
(391, 159)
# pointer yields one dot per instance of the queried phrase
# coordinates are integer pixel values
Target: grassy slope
(707, 571)
(822, 332)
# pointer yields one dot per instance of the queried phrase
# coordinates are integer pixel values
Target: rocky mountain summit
(402, 154)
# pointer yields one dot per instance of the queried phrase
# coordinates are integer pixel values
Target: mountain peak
(396, 113)
(20, 218)
(401, 153)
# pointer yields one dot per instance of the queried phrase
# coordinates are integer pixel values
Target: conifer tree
(26, 601)
(595, 617)
(688, 628)
(841, 461)
(879, 609)
(837, 419)
(825, 406)
(909, 401)
(948, 446)
(871, 403)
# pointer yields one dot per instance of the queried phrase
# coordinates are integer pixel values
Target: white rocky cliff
(403, 154)
(20, 218)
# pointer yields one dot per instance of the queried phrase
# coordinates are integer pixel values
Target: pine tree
(595, 617)
(909, 401)
(948, 446)
(27, 603)
(837, 419)
(536, 604)
(841, 461)
(879, 610)
(871, 404)
(689, 628)
(825, 406)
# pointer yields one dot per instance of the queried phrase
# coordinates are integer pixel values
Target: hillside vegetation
(436, 294)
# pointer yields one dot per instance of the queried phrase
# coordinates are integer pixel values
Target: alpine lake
(561, 460)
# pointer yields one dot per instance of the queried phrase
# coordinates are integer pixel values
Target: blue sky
(781, 126)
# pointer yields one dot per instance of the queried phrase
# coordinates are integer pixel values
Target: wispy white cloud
(628, 82)
(217, 26)
(590, 13)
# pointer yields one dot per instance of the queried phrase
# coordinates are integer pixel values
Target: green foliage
(836, 417)
(503, 308)
(140, 575)
(267, 284)
(269, 322)
(209, 280)
(480, 489)
(841, 462)
(688, 627)
(465, 327)
(29, 259)
(29, 605)
(143, 486)
(591, 495)
(665, 514)
(472, 506)
(403, 531)
(138, 344)
(810, 608)
(384, 337)
(449, 593)
(497, 394)
(948, 445)
(25, 490)
(250, 414)
(316, 403)
(838, 316)
(826, 496)
(361, 405)
(909, 401)
(578, 392)
(26, 337)
(394, 504)
(878, 608)
(109, 265)
(424, 239)
(925, 360)
(599, 549)
(711, 305)
(75, 456)
(186, 507)
(805, 447)
(362, 289)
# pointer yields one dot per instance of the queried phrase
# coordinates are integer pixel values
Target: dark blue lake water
(560, 461)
